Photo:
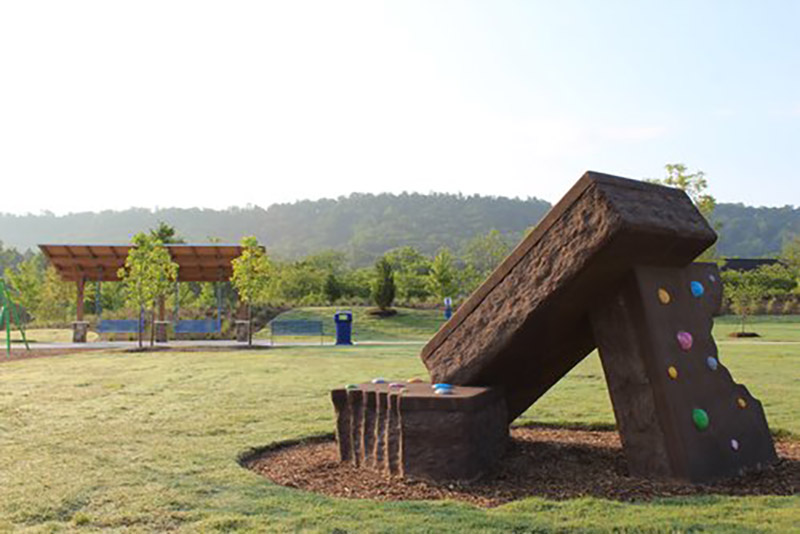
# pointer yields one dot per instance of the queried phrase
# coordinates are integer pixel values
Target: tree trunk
(249, 325)
(141, 334)
(153, 326)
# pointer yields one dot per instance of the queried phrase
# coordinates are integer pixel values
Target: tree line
(404, 276)
(363, 227)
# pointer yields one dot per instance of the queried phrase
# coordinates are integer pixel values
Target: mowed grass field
(407, 325)
(149, 442)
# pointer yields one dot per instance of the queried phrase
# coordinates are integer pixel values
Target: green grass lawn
(769, 327)
(49, 335)
(148, 442)
(408, 325)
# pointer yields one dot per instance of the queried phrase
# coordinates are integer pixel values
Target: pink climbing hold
(685, 341)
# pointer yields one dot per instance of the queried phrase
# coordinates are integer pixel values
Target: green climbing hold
(351, 386)
(700, 418)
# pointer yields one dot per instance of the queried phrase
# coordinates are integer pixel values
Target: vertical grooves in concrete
(393, 434)
(382, 400)
(369, 427)
(356, 401)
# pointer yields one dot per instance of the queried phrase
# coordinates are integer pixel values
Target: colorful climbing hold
(685, 341)
(712, 363)
(663, 296)
(741, 402)
(442, 386)
(734, 445)
(700, 418)
(414, 380)
(672, 372)
(443, 391)
(712, 278)
(351, 386)
(697, 289)
(378, 380)
(397, 385)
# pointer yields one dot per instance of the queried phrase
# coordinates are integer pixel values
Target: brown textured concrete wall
(527, 325)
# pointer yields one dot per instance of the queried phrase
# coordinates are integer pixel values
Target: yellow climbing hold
(663, 296)
(414, 380)
(741, 402)
(673, 373)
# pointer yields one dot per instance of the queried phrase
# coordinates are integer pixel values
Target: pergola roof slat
(196, 262)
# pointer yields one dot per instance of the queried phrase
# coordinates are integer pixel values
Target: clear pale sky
(107, 104)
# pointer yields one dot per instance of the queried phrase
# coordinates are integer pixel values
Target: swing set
(8, 312)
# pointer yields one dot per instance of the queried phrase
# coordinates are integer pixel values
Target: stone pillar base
(242, 331)
(79, 331)
(161, 331)
(409, 429)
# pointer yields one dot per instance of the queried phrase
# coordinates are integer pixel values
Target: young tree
(165, 233)
(695, 185)
(485, 252)
(148, 275)
(333, 289)
(410, 270)
(56, 297)
(251, 277)
(383, 290)
(26, 280)
(791, 255)
(442, 279)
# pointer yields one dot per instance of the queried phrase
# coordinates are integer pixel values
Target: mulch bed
(556, 463)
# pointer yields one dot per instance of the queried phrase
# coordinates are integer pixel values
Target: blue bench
(119, 326)
(296, 327)
(198, 326)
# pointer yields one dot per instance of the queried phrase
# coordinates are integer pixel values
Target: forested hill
(365, 225)
(362, 225)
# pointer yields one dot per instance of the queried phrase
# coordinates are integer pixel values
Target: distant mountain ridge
(366, 225)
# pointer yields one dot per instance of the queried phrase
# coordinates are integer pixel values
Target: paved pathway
(210, 343)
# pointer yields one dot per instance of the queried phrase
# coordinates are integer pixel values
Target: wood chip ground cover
(555, 463)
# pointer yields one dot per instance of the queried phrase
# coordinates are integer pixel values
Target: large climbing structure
(609, 267)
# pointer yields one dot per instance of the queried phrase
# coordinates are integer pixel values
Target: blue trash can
(344, 327)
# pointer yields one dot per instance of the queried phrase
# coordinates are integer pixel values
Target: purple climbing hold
(685, 341)
(712, 363)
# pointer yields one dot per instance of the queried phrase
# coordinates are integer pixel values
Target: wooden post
(79, 304)
(80, 327)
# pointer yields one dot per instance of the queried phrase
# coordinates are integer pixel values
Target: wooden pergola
(100, 263)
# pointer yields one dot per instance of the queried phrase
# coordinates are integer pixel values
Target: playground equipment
(8, 312)
(609, 267)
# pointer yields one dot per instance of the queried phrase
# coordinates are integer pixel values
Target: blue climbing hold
(697, 289)
(712, 363)
(442, 386)
(443, 391)
(378, 380)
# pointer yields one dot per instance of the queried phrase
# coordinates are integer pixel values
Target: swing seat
(198, 326)
(118, 326)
